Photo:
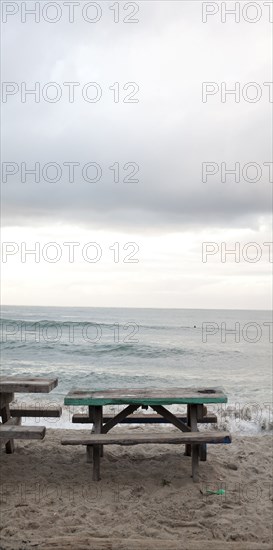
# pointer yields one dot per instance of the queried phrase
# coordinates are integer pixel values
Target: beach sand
(146, 498)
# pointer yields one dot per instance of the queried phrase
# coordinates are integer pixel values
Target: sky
(130, 163)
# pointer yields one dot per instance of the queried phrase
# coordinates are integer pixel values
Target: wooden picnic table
(133, 399)
(9, 427)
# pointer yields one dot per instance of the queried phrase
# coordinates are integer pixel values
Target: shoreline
(145, 499)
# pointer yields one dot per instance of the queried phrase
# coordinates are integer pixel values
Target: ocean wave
(82, 347)
(249, 420)
(126, 349)
(90, 348)
(49, 323)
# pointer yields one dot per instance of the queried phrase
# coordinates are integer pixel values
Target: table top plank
(145, 396)
(13, 384)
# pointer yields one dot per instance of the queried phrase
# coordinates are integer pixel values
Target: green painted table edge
(130, 401)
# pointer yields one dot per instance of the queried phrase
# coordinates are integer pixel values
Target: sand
(146, 498)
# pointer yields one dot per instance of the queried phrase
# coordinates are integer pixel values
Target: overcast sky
(160, 141)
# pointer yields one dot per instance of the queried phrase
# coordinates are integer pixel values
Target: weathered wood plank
(33, 412)
(12, 384)
(22, 432)
(140, 418)
(160, 438)
(146, 396)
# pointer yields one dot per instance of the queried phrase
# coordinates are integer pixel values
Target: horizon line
(137, 307)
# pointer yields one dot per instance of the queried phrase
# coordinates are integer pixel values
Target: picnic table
(10, 428)
(196, 400)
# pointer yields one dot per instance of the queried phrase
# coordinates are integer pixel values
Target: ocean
(100, 348)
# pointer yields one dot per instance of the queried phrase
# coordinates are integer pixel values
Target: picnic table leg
(89, 453)
(188, 447)
(203, 452)
(90, 414)
(101, 424)
(5, 414)
(97, 448)
(89, 448)
(201, 412)
(195, 448)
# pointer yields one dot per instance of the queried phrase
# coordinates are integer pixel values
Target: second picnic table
(133, 399)
(11, 416)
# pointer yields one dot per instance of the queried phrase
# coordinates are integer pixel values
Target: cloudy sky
(132, 156)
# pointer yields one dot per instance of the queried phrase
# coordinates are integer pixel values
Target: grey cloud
(169, 133)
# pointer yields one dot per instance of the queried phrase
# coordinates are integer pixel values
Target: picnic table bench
(11, 416)
(195, 399)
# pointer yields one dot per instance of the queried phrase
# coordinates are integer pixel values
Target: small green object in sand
(219, 492)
